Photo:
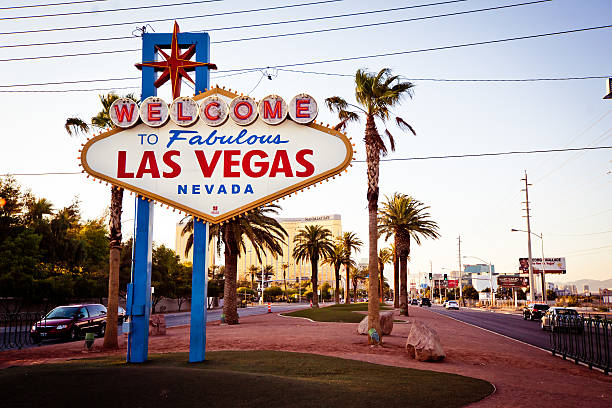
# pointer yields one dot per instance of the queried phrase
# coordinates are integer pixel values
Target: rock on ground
(386, 324)
(423, 343)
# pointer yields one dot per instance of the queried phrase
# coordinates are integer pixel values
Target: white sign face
(217, 172)
(552, 265)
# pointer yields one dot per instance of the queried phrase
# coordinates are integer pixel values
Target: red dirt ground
(522, 374)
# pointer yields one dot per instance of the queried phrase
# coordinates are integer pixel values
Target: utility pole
(531, 281)
(460, 270)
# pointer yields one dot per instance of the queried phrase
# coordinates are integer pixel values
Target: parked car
(534, 311)
(120, 315)
(414, 302)
(452, 304)
(70, 322)
(424, 302)
(562, 318)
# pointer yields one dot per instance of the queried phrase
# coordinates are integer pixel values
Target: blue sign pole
(199, 280)
(139, 290)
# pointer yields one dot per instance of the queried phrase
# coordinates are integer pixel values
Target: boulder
(423, 343)
(363, 326)
(386, 324)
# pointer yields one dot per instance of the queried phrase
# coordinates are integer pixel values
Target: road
(172, 320)
(180, 319)
(511, 325)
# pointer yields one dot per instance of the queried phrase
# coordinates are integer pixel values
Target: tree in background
(284, 266)
(336, 259)
(74, 126)
(252, 272)
(385, 256)
(47, 256)
(358, 275)
(375, 94)
(469, 292)
(263, 231)
(351, 243)
(405, 218)
(312, 243)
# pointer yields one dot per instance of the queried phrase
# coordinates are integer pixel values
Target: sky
(477, 198)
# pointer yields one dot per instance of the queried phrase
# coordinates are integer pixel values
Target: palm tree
(358, 275)
(264, 274)
(336, 259)
(376, 94)
(385, 256)
(396, 297)
(265, 234)
(285, 266)
(351, 243)
(313, 243)
(253, 271)
(405, 217)
(74, 126)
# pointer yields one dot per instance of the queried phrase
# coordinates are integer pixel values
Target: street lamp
(532, 288)
(490, 277)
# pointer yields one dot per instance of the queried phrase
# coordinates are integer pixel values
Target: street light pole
(490, 277)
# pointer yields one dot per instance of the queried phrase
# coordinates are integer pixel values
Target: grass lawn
(234, 379)
(335, 313)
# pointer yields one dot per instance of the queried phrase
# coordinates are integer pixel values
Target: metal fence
(15, 329)
(586, 339)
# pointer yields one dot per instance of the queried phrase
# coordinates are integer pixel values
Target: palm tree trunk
(285, 280)
(110, 335)
(396, 284)
(230, 309)
(373, 164)
(381, 268)
(347, 294)
(403, 251)
(315, 281)
(337, 292)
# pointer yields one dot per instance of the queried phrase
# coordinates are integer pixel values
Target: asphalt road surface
(180, 319)
(511, 325)
(172, 320)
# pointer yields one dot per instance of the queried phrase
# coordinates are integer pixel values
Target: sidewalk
(522, 374)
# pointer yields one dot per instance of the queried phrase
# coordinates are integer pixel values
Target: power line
(51, 4)
(460, 79)
(396, 159)
(248, 26)
(42, 30)
(358, 26)
(581, 235)
(74, 13)
(446, 47)
(106, 80)
(460, 156)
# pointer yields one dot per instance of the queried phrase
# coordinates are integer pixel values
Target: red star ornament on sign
(176, 65)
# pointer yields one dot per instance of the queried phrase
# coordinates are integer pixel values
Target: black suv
(70, 322)
(534, 311)
(424, 302)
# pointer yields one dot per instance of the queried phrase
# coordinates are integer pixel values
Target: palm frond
(402, 124)
(76, 125)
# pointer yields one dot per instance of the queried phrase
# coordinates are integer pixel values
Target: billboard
(447, 284)
(511, 281)
(551, 265)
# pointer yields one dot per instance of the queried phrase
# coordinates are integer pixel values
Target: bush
(272, 293)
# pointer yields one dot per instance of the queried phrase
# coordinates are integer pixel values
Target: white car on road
(452, 304)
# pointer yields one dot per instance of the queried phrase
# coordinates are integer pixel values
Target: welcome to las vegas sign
(218, 154)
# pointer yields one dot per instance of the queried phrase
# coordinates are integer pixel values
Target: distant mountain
(594, 285)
